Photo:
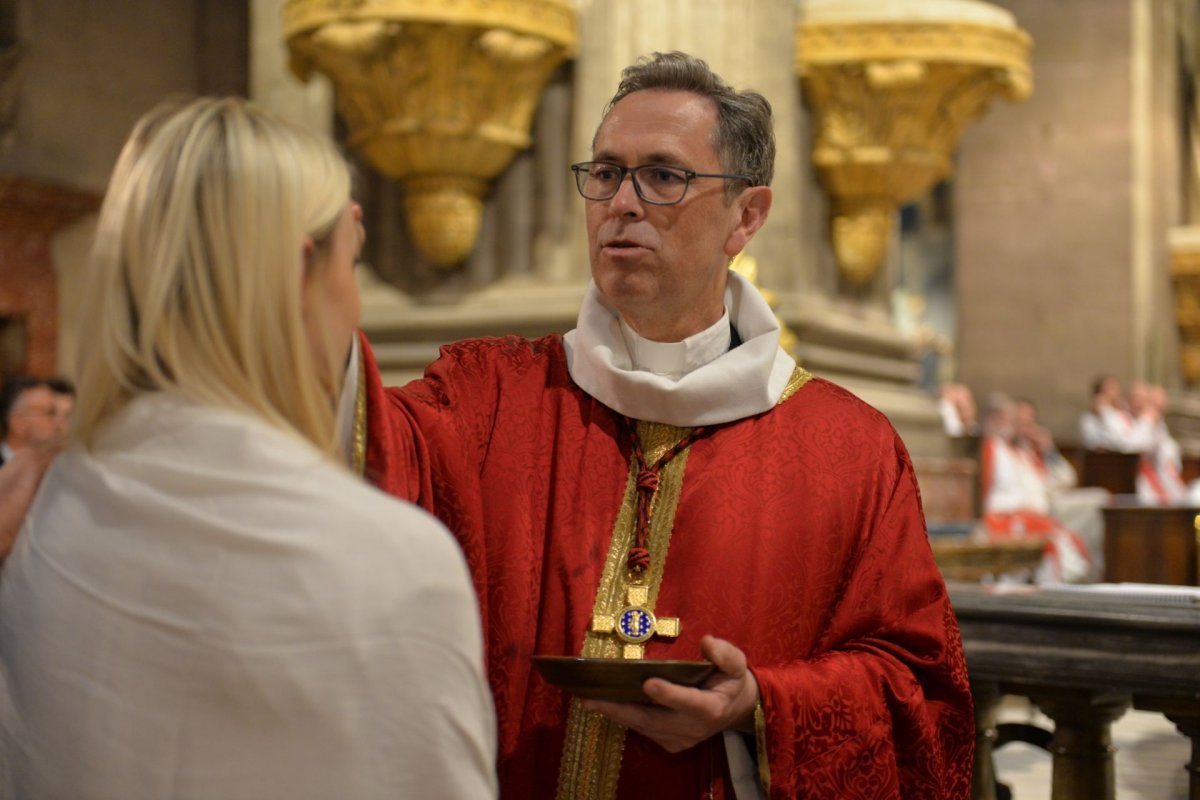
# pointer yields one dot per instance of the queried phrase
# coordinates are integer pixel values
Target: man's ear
(755, 206)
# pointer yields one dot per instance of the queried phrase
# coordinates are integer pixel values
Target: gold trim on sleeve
(760, 740)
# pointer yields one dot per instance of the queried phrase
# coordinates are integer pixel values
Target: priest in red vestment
(664, 482)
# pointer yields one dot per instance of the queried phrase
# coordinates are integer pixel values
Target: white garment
(1015, 484)
(1117, 430)
(676, 359)
(1082, 510)
(204, 606)
(1160, 480)
(734, 384)
(1090, 431)
(952, 423)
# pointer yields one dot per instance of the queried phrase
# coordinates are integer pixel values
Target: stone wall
(90, 70)
(1062, 206)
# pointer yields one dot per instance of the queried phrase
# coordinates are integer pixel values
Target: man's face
(664, 267)
(34, 418)
(1111, 392)
(64, 404)
(1138, 397)
(1025, 416)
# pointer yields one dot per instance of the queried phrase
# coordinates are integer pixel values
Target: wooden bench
(1151, 544)
(1116, 472)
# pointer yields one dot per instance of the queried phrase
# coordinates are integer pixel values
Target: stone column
(1063, 206)
(272, 86)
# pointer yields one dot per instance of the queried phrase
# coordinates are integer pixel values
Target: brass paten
(437, 94)
(890, 100)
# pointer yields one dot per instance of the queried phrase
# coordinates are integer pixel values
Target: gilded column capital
(891, 97)
(1185, 278)
(436, 94)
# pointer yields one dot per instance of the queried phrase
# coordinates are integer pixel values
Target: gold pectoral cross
(635, 624)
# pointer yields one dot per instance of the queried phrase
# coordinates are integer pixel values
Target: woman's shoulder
(229, 469)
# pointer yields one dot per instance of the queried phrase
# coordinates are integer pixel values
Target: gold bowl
(616, 679)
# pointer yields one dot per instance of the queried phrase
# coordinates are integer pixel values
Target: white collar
(717, 387)
(675, 359)
(6, 452)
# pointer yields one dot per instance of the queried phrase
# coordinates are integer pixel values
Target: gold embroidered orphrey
(593, 746)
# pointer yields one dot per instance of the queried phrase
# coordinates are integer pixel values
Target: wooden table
(1116, 472)
(1151, 544)
(1084, 662)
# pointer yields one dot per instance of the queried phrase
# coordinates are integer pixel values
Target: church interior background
(1000, 194)
(1039, 260)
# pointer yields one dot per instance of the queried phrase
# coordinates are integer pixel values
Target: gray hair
(745, 134)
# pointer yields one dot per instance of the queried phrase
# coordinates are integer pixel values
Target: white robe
(205, 607)
(1116, 430)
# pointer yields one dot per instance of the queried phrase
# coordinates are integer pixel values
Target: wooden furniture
(1151, 544)
(1191, 467)
(1084, 661)
(965, 558)
(1073, 453)
(949, 488)
(1116, 472)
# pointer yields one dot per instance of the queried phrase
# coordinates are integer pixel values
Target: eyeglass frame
(581, 168)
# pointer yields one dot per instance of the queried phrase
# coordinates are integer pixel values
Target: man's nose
(626, 201)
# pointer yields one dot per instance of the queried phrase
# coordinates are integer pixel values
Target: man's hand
(682, 717)
(19, 480)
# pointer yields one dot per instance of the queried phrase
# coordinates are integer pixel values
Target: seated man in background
(64, 402)
(1016, 501)
(1160, 472)
(29, 411)
(20, 477)
(1138, 426)
(1111, 424)
(1077, 508)
(1030, 436)
(957, 407)
(34, 420)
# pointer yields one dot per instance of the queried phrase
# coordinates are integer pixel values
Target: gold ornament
(437, 94)
(1185, 276)
(890, 100)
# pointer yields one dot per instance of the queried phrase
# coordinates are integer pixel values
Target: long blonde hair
(198, 268)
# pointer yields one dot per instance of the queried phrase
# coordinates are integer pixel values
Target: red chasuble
(797, 534)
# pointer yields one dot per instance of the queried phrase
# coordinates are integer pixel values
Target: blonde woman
(202, 602)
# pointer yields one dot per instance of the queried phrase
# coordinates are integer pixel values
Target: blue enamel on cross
(635, 624)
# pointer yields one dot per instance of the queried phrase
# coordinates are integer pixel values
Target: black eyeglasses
(657, 184)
